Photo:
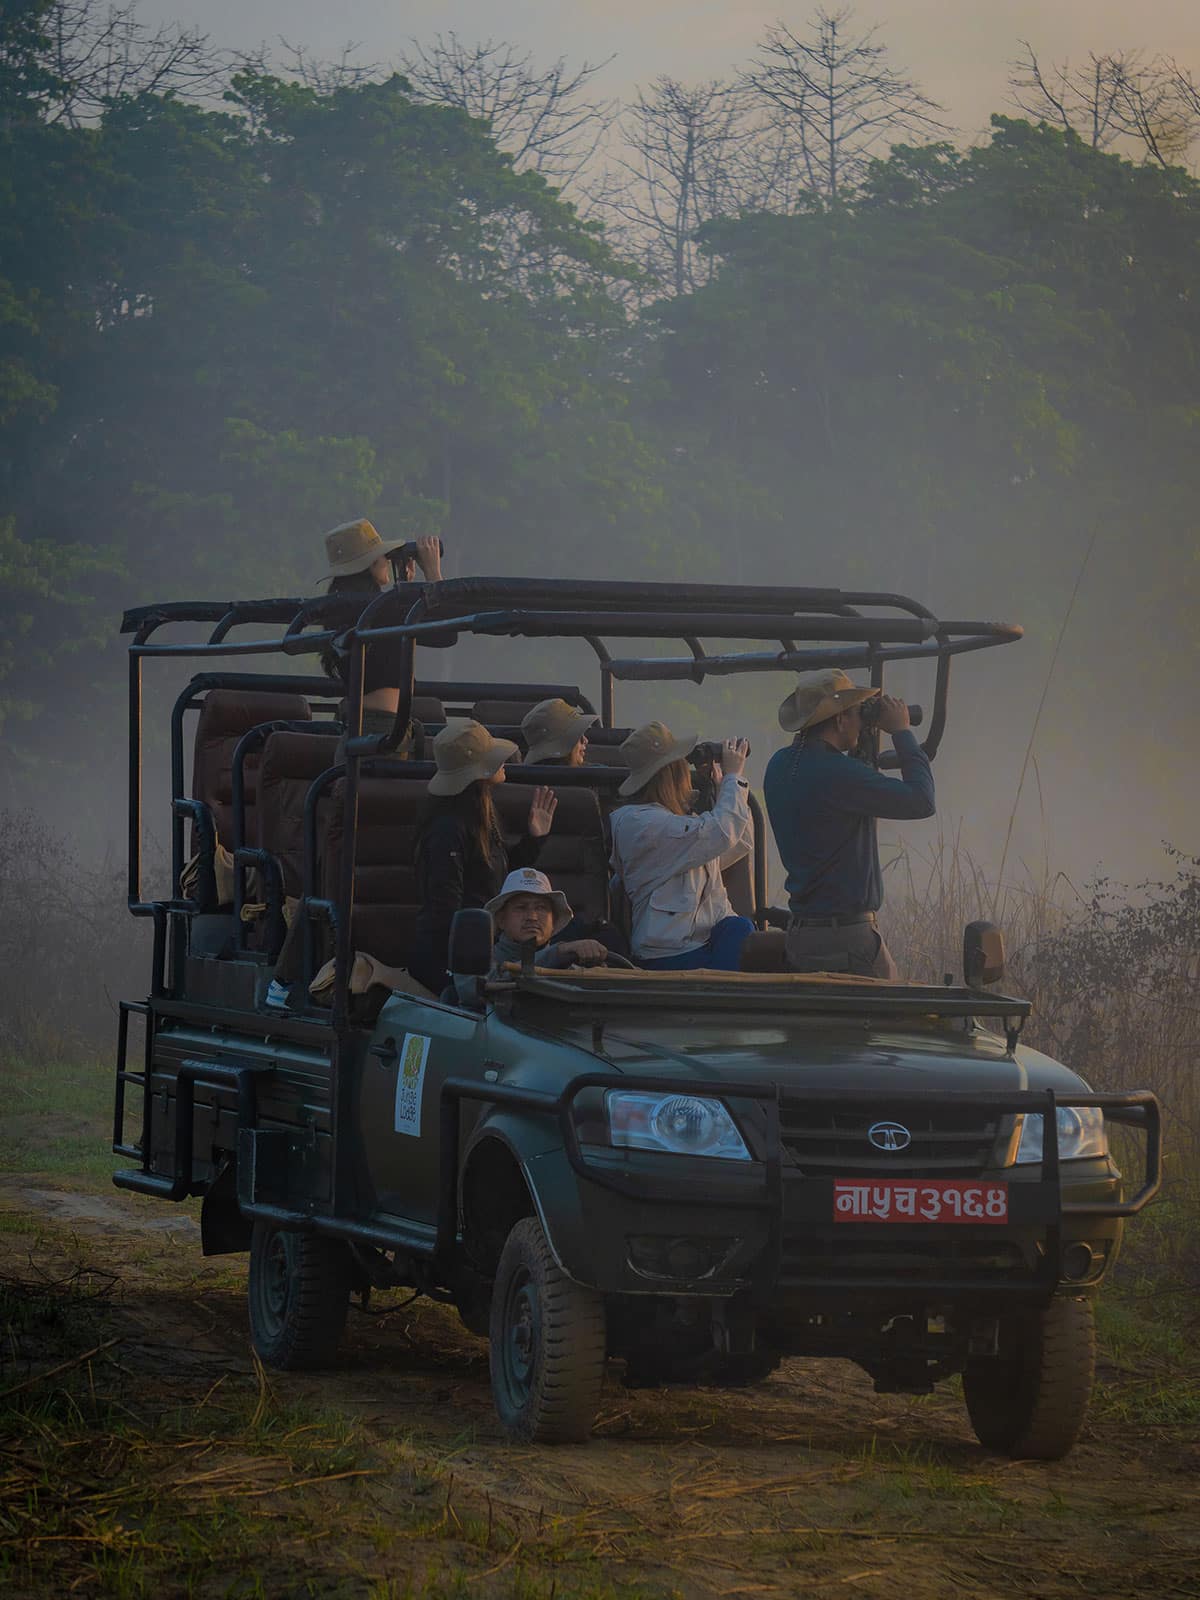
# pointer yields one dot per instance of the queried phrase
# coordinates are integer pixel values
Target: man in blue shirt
(823, 804)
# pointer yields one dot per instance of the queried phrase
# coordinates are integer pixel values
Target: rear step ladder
(139, 1008)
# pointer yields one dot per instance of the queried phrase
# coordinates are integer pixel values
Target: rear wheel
(299, 1292)
(1029, 1400)
(547, 1344)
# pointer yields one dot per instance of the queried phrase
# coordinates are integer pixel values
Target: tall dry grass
(68, 947)
(1112, 973)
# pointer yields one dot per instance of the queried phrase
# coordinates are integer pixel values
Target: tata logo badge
(889, 1136)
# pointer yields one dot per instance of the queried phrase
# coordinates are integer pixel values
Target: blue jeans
(723, 950)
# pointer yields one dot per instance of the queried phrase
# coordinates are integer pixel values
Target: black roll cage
(811, 627)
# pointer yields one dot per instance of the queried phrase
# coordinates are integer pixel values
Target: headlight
(1080, 1133)
(683, 1124)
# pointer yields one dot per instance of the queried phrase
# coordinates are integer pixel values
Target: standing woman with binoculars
(361, 562)
(669, 859)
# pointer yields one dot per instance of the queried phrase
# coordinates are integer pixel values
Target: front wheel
(1029, 1400)
(547, 1344)
(299, 1291)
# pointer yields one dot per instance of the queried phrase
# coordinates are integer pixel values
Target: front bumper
(639, 1222)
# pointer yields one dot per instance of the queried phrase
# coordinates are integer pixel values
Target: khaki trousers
(858, 948)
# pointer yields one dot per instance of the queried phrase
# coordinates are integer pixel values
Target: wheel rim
(522, 1337)
(274, 1284)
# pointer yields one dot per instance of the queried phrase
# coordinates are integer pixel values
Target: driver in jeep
(529, 910)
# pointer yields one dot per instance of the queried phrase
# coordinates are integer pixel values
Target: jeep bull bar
(791, 1201)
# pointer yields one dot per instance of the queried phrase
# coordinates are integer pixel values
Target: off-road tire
(1029, 1401)
(299, 1292)
(547, 1344)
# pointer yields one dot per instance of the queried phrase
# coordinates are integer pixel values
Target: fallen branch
(63, 1366)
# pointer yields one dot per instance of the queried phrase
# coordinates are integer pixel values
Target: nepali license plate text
(940, 1200)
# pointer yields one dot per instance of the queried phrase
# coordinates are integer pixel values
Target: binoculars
(870, 713)
(708, 751)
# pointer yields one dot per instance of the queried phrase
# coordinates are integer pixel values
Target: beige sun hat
(648, 750)
(552, 729)
(818, 696)
(528, 880)
(464, 752)
(353, 547)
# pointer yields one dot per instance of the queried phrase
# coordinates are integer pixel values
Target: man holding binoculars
(823, 807)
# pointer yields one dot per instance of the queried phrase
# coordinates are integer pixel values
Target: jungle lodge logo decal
(409, 1082)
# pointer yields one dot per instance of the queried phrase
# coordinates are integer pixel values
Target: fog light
(678, 1257)
(1078, 1262)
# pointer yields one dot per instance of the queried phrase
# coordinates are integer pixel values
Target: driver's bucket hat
(464, 752)
(648, 750)
(528, 880)
(819, 696)
(353, 547)
(552, 729)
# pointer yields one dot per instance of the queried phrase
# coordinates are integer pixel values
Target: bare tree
(680, 169)
(544, 117)
(102, 53)
(346, 71)
(1113, 100)
(834, 96)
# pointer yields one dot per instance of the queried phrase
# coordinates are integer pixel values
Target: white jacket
(670, 867)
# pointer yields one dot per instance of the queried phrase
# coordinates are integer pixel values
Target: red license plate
(938, 1200)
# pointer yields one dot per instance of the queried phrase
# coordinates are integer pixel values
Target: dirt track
(808, 1484)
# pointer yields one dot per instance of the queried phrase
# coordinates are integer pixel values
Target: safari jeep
(692, 1173)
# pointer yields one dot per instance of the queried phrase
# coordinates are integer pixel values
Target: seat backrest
(574, 855)
(290, 763)
(225, 716)
(501, 713)
(386, 901)
(427, 708)
(385, 880)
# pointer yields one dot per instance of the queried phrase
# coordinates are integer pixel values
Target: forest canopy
(239, 305)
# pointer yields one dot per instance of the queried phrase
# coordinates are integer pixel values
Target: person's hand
(893, 714)
(733, 758)
(588, 952)
(541, 812)
(429, 558)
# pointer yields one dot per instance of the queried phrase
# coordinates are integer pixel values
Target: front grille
(831, 1139)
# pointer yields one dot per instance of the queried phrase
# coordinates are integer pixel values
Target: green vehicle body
(427, 1145)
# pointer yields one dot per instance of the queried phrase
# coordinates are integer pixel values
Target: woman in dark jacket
(461, 856)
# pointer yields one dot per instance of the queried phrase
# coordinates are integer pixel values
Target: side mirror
(470, 954)
(983, 954)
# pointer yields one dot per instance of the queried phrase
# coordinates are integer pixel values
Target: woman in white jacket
(669, 861)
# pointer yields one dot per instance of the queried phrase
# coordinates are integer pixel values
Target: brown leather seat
(502, 713)
(290, 763)
(764, 952)
(386, 902)
(427, 708)
(225, 716)
(574, 855)
(385, 880)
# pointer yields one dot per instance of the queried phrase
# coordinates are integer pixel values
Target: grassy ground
(143, 1452)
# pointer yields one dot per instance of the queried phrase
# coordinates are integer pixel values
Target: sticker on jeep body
(410, 1080)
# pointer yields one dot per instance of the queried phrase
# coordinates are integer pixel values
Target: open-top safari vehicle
(696, 1173)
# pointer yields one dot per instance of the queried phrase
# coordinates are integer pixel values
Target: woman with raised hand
(461, 858)
(669, 860)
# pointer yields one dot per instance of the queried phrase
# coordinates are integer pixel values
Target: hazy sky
(957, 49)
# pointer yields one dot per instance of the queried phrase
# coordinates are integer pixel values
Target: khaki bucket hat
(528, 880)
(353, 547)
(648, 750)
(818, 696)
(552, 729)
(465, 751)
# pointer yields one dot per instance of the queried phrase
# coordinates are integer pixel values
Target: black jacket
(454, 873)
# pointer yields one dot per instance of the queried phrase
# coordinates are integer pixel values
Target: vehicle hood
(799, 1054)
